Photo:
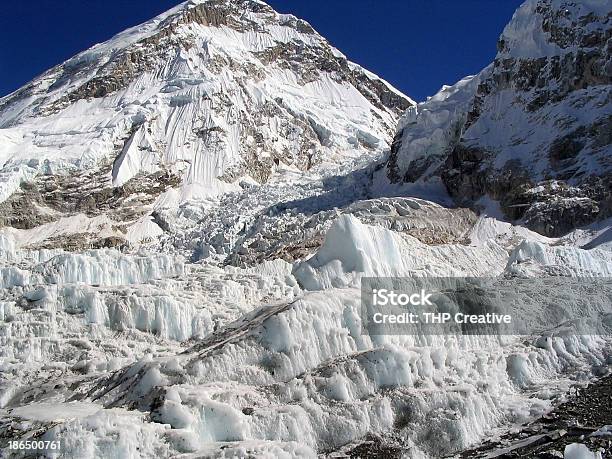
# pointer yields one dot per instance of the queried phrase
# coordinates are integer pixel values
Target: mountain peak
(541, 28)
(211, 92)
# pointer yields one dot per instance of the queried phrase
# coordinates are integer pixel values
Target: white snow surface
(525, 36)
(579, 451)
(271, 359)
(429, 129)
(196, 107)
(231, 325)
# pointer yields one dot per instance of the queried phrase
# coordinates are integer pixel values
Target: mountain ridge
(533, 125)
(212, 94)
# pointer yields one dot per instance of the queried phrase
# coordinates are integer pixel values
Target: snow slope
(212, 92)
(188, 211)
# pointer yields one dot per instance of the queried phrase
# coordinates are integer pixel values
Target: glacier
(272, 359)
(188, 211)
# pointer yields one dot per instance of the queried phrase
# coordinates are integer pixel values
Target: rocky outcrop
(537, 115)
(309, 63)
(554, 208)
(49, 198)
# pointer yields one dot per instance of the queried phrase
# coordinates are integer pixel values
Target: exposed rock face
(49, 198)
(555, 208)
(539, 112)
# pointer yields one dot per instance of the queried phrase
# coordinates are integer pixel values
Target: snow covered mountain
(200, 99)
(188, 211)
(532, 131)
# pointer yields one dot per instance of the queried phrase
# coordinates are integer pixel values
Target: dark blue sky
(417, 45)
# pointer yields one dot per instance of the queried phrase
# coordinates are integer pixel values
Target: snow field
(291, 375)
